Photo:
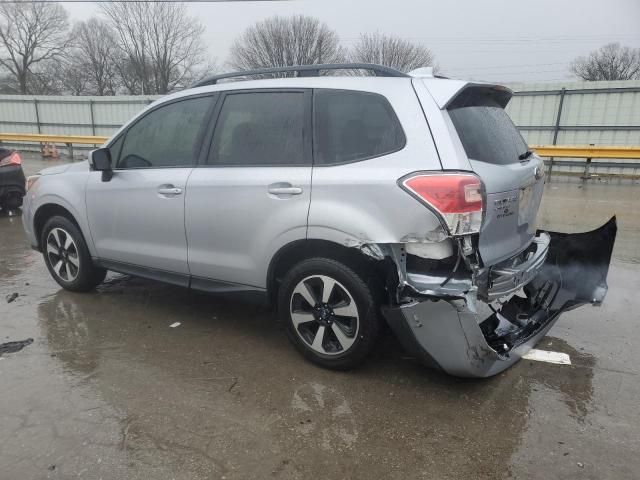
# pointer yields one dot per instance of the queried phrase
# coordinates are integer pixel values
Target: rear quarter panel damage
(468, 337)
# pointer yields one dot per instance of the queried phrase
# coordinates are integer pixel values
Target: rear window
(487, 133)
(350, 126)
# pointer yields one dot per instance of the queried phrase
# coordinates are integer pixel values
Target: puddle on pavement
(15, 346)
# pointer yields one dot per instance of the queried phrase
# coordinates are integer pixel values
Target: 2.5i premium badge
(505, 207)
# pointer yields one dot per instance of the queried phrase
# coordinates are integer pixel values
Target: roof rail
(305, 71)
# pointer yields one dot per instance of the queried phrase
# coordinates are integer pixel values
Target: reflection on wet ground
(108, 390)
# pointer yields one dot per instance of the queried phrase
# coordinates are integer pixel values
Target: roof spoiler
(458, 93)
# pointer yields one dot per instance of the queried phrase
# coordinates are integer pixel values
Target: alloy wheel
(62, 254)
(324, 315)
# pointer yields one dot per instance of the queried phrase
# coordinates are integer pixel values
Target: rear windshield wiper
(525, 155)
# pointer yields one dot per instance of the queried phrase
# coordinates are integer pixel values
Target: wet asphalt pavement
(108, 390)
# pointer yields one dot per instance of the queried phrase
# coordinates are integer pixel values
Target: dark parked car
(11, 179)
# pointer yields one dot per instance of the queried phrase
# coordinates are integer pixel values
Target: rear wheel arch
(295, 252)
(47, 211)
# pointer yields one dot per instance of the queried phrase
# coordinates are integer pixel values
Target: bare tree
(161, 45)
(74, 77)
(6, 86)
(129, 75)
(31, 33)
(610, 62)
(48, 78)
(280, 42)
(97, 54)
(391, 51)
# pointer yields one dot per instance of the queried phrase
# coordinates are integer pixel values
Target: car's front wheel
(67, 257)
(330, 313)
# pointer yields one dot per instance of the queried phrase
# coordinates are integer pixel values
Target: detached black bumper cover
(449, 335)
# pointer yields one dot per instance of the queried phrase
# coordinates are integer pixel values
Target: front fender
(47, 192)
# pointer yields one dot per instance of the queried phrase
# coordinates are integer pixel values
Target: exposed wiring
(455, 267)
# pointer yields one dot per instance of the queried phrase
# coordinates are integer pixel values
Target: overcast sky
(494, 40)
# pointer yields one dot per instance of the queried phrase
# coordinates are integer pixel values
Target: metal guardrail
(567, 151)
(588, 152)
(42, 138)
(47, 138)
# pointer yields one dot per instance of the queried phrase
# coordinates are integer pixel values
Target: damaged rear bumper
(508, 309)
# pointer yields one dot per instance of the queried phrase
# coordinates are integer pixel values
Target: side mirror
(100, 160)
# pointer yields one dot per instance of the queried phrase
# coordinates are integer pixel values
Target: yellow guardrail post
(587, 168)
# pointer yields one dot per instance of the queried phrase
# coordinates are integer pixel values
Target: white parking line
(549, 357)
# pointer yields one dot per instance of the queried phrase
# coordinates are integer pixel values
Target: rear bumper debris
(496, 318)
(504, 279)
(447, 336)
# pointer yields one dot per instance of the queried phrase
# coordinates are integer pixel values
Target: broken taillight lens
(13, 159)
(456, 197)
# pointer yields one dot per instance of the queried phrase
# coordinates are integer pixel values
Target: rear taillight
(13, 159)
(456, 197)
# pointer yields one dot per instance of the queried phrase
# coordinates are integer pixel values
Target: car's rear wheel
(330, 313)
(67, 257)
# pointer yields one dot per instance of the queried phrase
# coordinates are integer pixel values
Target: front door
(251, 197)
(137, 217)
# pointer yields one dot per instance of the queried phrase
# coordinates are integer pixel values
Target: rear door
(251, 197)
(512, 176)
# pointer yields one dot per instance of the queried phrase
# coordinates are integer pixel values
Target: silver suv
(345, 200)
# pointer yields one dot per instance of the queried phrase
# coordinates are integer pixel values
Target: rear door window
(487, 133)
(260, 129)
(350, 126)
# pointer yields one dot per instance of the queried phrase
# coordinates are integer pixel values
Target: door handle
(285, 190)
(169, 190)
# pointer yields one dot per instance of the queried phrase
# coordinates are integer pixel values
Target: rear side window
(260, 129)
(168, 136)
(351, 126)
(487, 133)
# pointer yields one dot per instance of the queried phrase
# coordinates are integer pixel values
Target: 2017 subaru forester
(345, 200)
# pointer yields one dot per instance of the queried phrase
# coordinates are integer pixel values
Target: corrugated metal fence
(579, 113)
(68, 115)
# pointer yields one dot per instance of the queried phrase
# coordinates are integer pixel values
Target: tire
(342, 343)
(12, 201)
(67, 257)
